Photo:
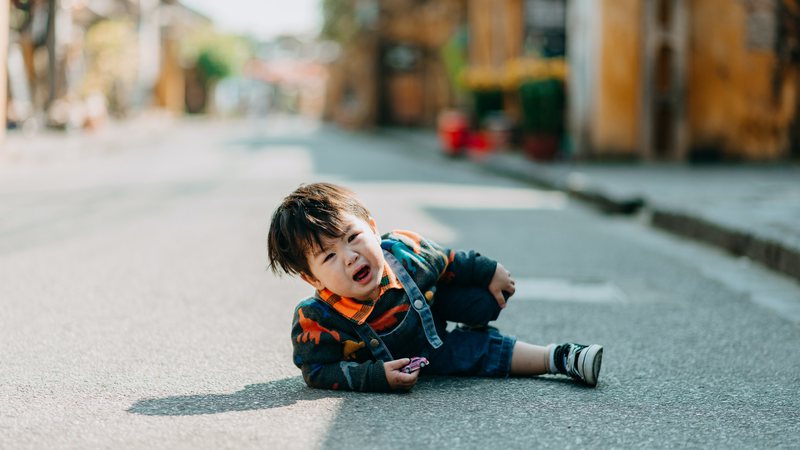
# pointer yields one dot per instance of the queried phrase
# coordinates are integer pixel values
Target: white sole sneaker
(589, 362)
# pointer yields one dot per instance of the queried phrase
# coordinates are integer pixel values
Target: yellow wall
(731, 105)
(495, 28)
(616, 117)
(170, 89)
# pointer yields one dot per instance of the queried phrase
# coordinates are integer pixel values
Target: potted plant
(543, 101)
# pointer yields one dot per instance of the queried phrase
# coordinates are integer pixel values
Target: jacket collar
(357, 311)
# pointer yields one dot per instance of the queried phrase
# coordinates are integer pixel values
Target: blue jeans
(476, 349)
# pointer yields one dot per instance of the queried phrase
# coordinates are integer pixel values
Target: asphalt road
(136, 312)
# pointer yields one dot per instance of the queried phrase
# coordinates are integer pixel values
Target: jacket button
(418, 304)
(374, 343)
(429, 295)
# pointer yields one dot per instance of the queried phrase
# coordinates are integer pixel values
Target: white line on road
(559, 289)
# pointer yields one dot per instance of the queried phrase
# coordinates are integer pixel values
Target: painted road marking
(566, 290)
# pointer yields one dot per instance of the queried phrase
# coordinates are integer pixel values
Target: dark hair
(303, 218)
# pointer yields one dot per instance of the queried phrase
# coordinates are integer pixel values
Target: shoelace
(571, 363)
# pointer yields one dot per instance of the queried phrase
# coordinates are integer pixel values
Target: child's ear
(312, 281)
(373, 225)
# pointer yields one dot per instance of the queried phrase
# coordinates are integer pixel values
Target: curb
(774, 255)
(566, 181)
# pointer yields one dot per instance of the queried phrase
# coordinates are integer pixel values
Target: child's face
(349, 266)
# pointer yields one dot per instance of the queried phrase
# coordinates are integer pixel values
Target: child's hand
(501, 282)
(398, 379)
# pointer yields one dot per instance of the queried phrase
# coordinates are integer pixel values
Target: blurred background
(146, 143)
(663, 80)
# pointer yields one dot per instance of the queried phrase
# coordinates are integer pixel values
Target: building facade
(663, 80)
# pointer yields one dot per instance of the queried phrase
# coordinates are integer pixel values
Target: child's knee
(471, 305)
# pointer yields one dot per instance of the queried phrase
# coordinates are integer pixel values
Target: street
(136, 309)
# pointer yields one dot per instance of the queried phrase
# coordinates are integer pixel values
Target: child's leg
(476, 306)
(466, 351)
(581, 362)
(467, 305)
(529, 359)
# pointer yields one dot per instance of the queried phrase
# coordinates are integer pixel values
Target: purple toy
(417, 362)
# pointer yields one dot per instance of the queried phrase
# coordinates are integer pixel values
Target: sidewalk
(748, 210)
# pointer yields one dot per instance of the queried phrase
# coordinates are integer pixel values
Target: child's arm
(459, 267)
(398, 377)
(502, 285)
(319, 353)
(370, 376)
(470, 268)
(349, 376)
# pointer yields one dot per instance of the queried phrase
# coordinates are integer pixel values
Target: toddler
(380, 300)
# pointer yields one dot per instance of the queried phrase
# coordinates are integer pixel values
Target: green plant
(338, 20)
(213, 65)
(543, 104)
(215, 55)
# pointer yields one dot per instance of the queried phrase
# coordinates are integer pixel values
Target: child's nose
(351, 257)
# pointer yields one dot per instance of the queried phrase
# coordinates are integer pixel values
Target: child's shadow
(272, 394)
(285, 392)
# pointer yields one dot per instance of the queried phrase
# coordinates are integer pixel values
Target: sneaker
(581, 362)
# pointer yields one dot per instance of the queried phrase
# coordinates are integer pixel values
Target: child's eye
(352, 236)
(328, 257)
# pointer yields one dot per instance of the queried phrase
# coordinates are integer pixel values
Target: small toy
(417, 362)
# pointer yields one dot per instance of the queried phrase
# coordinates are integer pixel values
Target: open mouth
(361, 274)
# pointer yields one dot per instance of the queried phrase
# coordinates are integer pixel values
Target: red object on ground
(478, 145)
(453, 131)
